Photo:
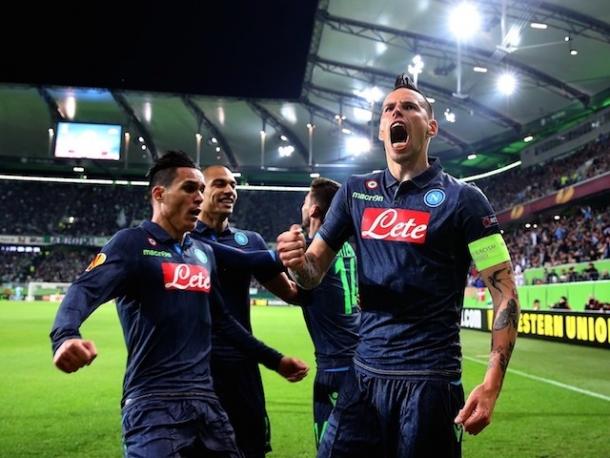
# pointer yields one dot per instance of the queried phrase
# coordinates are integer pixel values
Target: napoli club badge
(241, 238)
(434, 198)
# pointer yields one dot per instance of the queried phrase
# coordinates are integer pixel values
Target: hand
(476, 413)
(292, 369)
(291, 247)
(74, 354)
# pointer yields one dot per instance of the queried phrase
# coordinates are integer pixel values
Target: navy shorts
(240, 390)
(386, 417)
(177, 428)
(326, 388)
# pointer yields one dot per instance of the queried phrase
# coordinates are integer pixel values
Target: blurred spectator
(562, 304)
(536, 304)
(520, 185)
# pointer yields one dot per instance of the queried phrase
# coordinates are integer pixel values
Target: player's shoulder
(365, 181)
(127, 236)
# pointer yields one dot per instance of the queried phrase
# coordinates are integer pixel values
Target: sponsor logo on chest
(186, 277)
(395, 225)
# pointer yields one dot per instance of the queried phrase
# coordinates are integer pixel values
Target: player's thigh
(353, 428)
(426, 421)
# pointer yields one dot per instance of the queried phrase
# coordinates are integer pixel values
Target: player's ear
(157, 192)
(315, 211)
(432, 128)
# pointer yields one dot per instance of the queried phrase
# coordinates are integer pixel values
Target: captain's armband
(489, 251)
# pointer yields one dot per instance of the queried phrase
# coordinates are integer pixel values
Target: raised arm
(306, 267)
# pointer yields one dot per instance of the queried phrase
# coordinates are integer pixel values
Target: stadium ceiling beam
(279, 126)
(148, 140)
(203, 119)
(329, 115)
(556, 16)
(368, 73)
(54, 109)
(361, 102)
(440, 48)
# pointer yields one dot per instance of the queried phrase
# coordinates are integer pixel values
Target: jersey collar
(421, 180)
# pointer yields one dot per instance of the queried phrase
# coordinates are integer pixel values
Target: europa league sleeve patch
(489, 251)
(99, 259)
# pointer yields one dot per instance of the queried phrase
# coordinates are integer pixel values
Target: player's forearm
(506, 320)
(309, 274)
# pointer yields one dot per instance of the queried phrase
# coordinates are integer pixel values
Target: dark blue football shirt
(332, 314)
(235, 282)
(411, 243)
(167, 302)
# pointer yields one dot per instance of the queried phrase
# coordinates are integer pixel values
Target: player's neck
(314, 225)
(408, 170)
(216, 222)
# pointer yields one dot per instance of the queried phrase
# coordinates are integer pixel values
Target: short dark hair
(163, 171)
(404, 81)
(322, 192)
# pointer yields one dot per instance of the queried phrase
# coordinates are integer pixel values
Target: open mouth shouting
(398, 135)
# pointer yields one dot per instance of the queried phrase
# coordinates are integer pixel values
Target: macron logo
(396, 225)
(186, 277)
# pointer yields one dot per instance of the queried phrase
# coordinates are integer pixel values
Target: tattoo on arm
(309, 275)
(508, 316)
(495, 281)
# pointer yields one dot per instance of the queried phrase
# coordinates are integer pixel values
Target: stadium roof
(229, 70)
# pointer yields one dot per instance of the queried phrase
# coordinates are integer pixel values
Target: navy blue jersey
(411, 241)
(332, 314)
(167, 301)
(235, 282)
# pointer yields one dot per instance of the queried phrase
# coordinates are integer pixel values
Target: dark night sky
(232, 48)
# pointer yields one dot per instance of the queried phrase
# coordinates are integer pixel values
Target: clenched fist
(291, 247)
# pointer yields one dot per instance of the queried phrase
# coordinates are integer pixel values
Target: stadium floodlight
(528, 139)
(538, 25)
(449, 116)
(283, 138)
(557, 218)
(237, 174)
(78, 169)
(371, 94)
(346, 131)
(218, 149)
(147, 111)
(464, 21)
(286, 151)
(416, 67)
(289, 113)
(573, 52)
(357, 145)
(478, 69)
(362, 115)
(314, 175)
(472, 156)
(380, 47)
(430, 99)
(214, 140)
(506, 84)
(70, 107)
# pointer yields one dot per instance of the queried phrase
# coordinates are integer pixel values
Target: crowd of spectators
(521, 185)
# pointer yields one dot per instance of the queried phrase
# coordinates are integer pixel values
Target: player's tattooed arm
(501, 282)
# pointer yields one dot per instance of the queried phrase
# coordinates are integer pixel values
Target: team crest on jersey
(152, 241)
(371, 184)
(99, 259)
(241, 238)
(201, 256)
(186, 277)
(434, 197)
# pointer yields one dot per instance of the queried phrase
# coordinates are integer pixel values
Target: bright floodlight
(286, 151)
(464, 21)
(362, 115)
(357, 145)
(507, 83)
(371, 94)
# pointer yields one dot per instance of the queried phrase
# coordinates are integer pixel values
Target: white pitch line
(549, 381)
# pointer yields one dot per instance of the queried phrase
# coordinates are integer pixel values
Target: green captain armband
(488, 251)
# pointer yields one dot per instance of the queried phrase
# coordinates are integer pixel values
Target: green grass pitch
(45, 413)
